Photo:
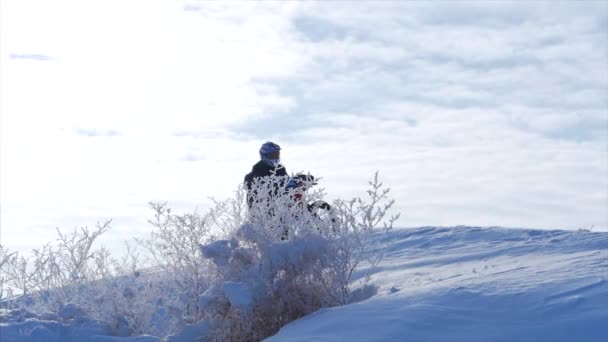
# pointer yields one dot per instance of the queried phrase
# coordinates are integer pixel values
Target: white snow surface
(475, 284)
(433, 284)
(238, 293)
(70, 325)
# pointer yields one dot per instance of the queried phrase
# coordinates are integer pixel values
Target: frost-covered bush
(61, 268)
(70, 273)
(234, 272)
(174, 250)
(288, 259)
(7, 260)
(8, 263)
(359, 218)
(56, 273)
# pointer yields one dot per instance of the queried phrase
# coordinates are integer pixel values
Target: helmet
(270, 152)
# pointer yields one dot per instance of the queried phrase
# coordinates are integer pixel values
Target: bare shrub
(359, 219)
(61, 268)
(233, 272)
(7, 260)
(70, 273)
(288, 260)
(174, 250)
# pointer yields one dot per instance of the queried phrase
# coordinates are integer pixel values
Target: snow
(218, 251)
(475, 284)
(433, 284)
(191, 332)
(307, 247)
(21, 325)
(238, 293)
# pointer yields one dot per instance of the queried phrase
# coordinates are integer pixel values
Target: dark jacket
(263, 169)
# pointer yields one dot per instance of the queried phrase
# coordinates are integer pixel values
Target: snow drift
(435, 284)
(475, 284)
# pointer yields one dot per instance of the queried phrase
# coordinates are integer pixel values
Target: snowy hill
(475, 284)
(435, 284)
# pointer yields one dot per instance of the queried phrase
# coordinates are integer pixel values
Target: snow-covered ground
(70, 325)
(475, 284)
(434, 284)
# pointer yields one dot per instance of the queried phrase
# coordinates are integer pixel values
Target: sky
(474, 113)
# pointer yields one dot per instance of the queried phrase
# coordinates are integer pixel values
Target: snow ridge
(433, 284)
(475, 284)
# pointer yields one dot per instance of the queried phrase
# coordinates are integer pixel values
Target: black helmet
(268, 148)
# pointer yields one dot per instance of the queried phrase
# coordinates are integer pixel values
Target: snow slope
(434, 284)
(475, 284)
(21, 325)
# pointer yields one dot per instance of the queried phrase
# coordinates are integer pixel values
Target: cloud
(465, 114)
(149, 76)
(475, 113)
(97, 133)
(316, 29)
(35, 57)
(463, 62)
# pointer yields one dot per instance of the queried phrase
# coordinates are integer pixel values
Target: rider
(268, 166)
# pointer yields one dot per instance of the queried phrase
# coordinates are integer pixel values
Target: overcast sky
(475, 113)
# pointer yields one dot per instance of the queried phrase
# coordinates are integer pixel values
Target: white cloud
(477, 113)
(141, 66)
